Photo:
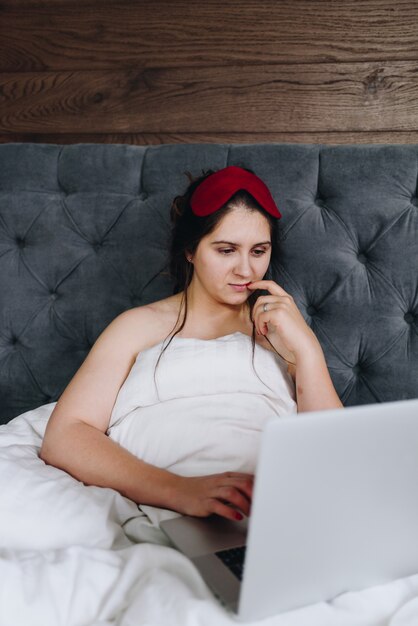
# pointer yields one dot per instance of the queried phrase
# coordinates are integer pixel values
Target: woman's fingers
(222, 494)
(278, 307)
(244, 482)
(231, 495)
(268, 285)
(225, 511)
(237, 492)
(278, 300)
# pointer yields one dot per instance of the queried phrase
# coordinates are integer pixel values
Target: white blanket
(205, 411)
(75, 555)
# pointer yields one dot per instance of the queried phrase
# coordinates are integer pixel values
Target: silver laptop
(335, 508)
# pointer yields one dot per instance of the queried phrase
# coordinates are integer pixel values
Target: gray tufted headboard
(84, 232)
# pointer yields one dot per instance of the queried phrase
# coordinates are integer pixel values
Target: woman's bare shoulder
(147, 325)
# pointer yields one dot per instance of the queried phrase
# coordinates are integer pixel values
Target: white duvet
(79, 555)
(69, 556)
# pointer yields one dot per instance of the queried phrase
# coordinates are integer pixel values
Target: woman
(223, 239)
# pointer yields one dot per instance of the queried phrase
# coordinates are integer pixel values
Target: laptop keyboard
(234, 559)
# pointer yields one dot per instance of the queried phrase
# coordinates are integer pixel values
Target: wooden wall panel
(104, 34)
(145, 72)
(267, 98)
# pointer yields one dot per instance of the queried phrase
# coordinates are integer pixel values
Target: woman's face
(236, 253)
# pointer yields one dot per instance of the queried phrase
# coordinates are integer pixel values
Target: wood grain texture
(168, 71)
(100, 34)
(267, 99)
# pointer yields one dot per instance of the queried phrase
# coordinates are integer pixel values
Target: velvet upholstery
(84, 231)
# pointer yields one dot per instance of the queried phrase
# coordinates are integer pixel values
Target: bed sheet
(77, 555)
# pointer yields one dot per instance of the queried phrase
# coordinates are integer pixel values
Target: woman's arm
(314, 388)
(75, 438)
(90, 456)
(93, 458)
(278, 318)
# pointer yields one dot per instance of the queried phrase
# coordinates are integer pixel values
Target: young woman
(224, 235)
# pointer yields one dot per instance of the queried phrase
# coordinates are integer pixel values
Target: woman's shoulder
(149, 324)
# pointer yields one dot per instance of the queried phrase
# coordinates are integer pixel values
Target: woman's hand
(223, 494)
(282, 322)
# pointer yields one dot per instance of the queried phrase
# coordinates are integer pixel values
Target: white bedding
(77, 555)
(206, 409)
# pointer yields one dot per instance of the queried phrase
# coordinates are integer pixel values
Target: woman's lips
(240, 287)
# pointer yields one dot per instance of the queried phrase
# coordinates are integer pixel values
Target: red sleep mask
(219, 187)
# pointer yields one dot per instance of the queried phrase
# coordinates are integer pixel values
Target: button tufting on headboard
(81, 241)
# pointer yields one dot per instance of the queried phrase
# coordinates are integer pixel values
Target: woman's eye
(257, 252)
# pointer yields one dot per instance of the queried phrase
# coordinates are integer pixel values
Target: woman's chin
(237, 302)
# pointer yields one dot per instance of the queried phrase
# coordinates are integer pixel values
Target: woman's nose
(243, 267)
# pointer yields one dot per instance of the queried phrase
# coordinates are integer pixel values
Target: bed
(84, 231)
